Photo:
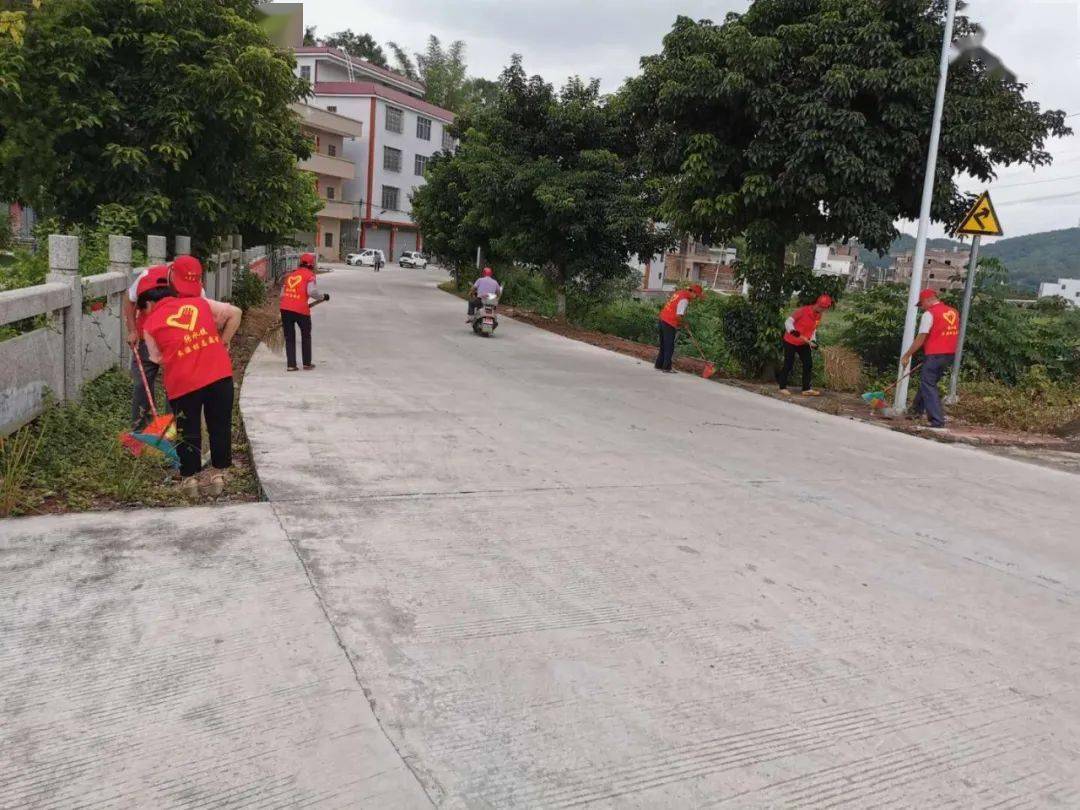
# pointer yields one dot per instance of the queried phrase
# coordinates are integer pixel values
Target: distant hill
(1030, 259)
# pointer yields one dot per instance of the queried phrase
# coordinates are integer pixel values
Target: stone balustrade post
(64, 269)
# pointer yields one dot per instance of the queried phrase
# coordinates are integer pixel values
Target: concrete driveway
(565, 579)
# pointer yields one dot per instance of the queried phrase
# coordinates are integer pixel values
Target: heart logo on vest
(950, 317)
(184, 318)
(292, 282)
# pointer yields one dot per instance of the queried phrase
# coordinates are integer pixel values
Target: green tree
(442, 70)
(813, 116)
(176, 111)
(362, 46)
(310, 39)
(540, 179)
(403, 63)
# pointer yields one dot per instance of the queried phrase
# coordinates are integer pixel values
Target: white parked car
(413, 258)
(365, 258)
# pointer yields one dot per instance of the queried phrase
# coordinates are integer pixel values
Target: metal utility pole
(900, 402)
(969, 289)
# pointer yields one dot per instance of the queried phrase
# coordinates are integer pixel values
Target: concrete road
(564, 579)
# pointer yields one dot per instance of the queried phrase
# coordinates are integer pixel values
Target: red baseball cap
(307, 260)
(696, 290)
(927, 294)
(487, 272)
(824, 301)
(157, 276)
(186, 276)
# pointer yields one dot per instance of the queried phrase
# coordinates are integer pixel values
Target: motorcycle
(484, 319)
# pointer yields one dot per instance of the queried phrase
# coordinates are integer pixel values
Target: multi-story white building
(329, 133)
(401, 132)
(1067, 288)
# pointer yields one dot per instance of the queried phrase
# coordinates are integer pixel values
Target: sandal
(213, 484)
(291, 368)
(190, 488)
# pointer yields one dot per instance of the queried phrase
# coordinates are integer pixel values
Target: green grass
(79, 464)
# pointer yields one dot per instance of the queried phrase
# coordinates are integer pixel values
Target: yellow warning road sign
(982, 219)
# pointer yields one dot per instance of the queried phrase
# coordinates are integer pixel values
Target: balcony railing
(337, 210)
(330, 166)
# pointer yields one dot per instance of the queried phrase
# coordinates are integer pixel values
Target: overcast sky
(1038, 39)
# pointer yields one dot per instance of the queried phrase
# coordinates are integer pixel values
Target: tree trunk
(560, 292)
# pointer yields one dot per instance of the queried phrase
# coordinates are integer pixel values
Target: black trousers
(474, 304)
(289, 322)
(807, 358)
(214, 402)
(668, 333)
(140, 405)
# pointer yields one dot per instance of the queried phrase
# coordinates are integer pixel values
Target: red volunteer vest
(945, 332)
(670, 313)
(192, 353)
(806, 323)
(294, 291)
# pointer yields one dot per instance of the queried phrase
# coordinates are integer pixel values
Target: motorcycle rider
(485, 285)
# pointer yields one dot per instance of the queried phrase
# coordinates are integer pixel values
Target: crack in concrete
(406, 761)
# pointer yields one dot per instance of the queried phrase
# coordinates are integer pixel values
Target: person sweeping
(938, 337)
(298, 290)
(671, 321)
(188, 336)
(800, 338)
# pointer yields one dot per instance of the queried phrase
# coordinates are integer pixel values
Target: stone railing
(77, 330)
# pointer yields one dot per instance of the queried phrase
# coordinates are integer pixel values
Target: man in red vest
(800, 336)
(939, 334)
(671, 321)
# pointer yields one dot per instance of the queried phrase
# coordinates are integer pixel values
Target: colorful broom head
(874, 396)
(155, 436)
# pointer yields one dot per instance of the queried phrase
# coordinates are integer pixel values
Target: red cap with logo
(186, 277)
(157, 276)
(927, 294)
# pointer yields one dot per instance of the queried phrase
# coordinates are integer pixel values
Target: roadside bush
(626, 318)
(752, 333)
(248, 290)
(874, 324)
(1036, 403)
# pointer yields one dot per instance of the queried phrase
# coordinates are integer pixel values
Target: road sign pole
(900, 402)
(969, 289)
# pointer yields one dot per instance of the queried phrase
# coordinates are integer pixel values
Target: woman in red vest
(297, 290)
(800, 336)
(189, 337)
(939, 334)
(671, 321)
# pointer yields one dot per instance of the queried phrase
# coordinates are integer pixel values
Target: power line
(1037, 182)
(1039, 199)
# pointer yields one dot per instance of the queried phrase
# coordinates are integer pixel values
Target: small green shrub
(627, 318)
(1036, 403)
(248, 290)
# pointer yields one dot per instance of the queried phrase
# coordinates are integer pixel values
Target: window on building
(931, 275)
(389, 198)
(420, 165)
(331, 150)
(329, 192)
(330, 108)
(423, 128)
(391, 159)
(395, 119)
(305, 72)
(447, 141)
(328, 239)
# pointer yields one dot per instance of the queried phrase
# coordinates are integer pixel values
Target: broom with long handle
(877, 398)
(709, 369)
(153, 435)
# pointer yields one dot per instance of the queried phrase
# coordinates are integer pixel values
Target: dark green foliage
(625, 318)
(813, 117)
(539, 180)
(248, 290)
(362, 46)
(177, 112)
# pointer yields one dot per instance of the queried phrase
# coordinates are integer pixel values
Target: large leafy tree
(813, 116)
(177, 111)
(540, 178)
(362, 46)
